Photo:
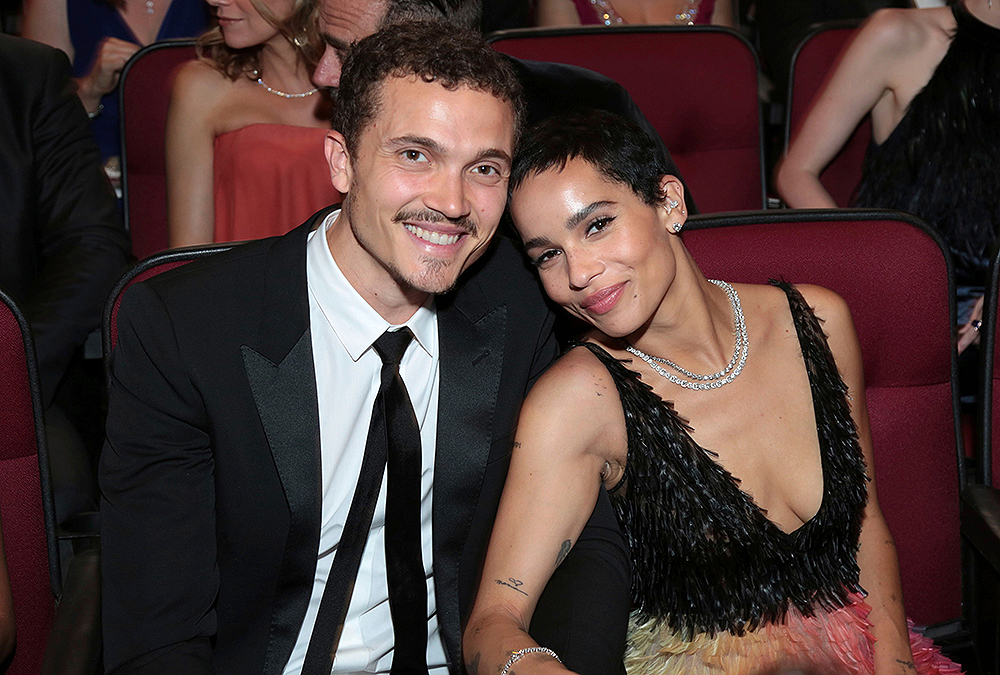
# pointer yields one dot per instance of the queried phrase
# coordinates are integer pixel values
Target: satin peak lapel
(285, 396)
(472, 351)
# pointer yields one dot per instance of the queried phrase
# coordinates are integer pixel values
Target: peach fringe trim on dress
(830, 642)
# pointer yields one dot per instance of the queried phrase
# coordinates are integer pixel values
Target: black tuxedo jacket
(62, 243)
(211, 473)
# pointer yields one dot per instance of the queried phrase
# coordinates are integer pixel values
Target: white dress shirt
(343, 329)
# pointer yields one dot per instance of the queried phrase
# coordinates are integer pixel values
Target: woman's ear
(672, 202)
(339, 159)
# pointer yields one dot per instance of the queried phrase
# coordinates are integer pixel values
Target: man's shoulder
(237, 274)
(17, 52)
(503, 267)
(26, 67)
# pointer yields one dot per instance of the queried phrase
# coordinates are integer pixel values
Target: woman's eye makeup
(598, 224)
(545, 257)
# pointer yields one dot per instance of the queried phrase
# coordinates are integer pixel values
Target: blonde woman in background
(245, 128)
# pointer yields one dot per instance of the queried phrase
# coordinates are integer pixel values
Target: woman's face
(602, 253)
(242, 23)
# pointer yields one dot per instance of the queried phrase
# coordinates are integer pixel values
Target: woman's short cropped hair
(615, 146)
(433, 51)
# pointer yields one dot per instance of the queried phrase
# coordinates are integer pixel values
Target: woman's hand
(970, 332)
(112, 55)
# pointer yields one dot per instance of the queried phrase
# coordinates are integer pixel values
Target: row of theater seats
(697, 86)
(897, 278)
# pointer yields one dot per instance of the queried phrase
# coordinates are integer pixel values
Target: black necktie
(393, 436)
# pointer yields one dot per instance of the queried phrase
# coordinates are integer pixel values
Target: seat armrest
(74, 645)
(980, 514)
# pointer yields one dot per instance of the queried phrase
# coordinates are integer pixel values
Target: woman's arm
(190, 152)
(722, 13)
(858, 84)
(48, 21)
(556, 13)
(568, 421)
(877, 553)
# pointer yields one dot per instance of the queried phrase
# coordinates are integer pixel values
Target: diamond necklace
(715, 380)
(282, 94)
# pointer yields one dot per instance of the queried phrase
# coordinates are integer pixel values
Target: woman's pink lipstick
(604, 300)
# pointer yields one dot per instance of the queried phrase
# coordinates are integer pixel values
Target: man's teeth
(432, 237)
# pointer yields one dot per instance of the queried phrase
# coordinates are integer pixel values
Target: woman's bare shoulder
(199, 85)
(902, 33)
(577, 396)
(577, 377)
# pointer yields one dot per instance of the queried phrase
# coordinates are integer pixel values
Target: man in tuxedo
(252, 393)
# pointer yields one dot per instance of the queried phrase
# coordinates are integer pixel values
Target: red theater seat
(66, 641)
(893, 272)
(696, 85)
(144, 96)
(814, 60)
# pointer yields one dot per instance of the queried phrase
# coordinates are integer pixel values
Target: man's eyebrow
(422, 141)
(336, 43)
(495, 153)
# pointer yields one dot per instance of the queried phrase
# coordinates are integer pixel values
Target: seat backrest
(696, 85)
(25, 500)
(144, 96)
(896, 277)
(814, 60)
(988, 412)
(150, 267)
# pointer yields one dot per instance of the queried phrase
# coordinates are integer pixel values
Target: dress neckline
(973, 27)
(682, 428)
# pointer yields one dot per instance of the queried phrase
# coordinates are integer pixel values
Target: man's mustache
(430, 216)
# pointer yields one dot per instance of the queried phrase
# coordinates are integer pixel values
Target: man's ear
(339, 160)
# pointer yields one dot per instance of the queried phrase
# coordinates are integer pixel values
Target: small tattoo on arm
(517, 444)
(563, 551)
(512, 584)
(473, 667)
(907, 665)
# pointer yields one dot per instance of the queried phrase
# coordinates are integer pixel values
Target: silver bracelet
(516, 656)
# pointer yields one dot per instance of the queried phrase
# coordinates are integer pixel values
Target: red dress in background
(602, 12)
(269, 178)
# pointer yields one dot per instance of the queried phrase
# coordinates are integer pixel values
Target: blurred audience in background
(603, 12)
(928, 78)
(100, 36)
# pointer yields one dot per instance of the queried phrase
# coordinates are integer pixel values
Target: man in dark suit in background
(62, 242)
(245, 391)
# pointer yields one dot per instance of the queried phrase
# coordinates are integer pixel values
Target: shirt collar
(355, 322)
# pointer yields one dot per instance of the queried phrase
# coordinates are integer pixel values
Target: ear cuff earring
(672, 204)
